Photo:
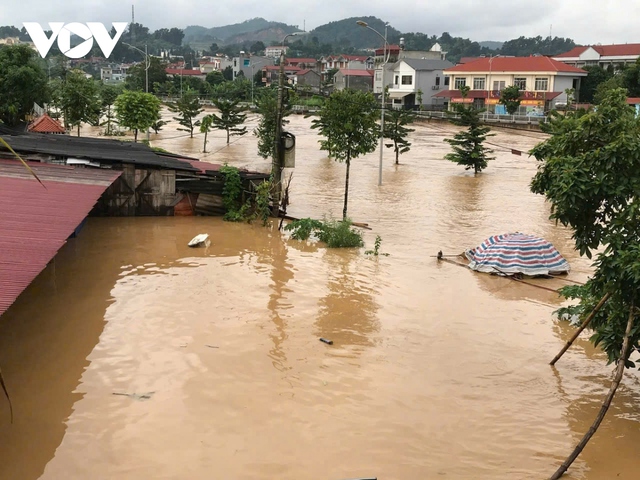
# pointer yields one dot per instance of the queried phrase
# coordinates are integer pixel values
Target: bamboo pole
(525, 282)
(584, 325)
(624, 355)
(4, 387)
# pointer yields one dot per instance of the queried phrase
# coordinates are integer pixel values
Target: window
(407, 80)
(542, 84)
(498, 85)
(378, 75)
(460, 82)
(520, 82)
(446, 81)
(437, 81)
(246, 62)
(396, 81)
(478, 83)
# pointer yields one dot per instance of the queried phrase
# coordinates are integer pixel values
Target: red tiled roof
(390, 48)
(605, 50)
(36, 222)
(350, 72)
(45, 124)
(301, 60)
(464, 60)
(515, 64)
(494, 94)
(184, 72)
(287, 68)
(305, 71)
(362, 58)
(633, 100)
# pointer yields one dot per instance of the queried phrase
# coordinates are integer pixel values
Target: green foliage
(631, 79)
(467, 145)
(347, 121)
(376, 248)
(230, 118)
(157, 125)
(267, 103)
(205, 126)
(603, 90)
(136, 75)
(227, 73)
(137, 110)
(589, 170)
(108, 95)
(596, 76)
(262, 206)
(23, 82)
(510, 98)
(419, 95)
(238, 210)
(395, 129)
(188, 108)
(79, 99)
(236, 90)
(523, 46)
(335, 233)
(215, 78)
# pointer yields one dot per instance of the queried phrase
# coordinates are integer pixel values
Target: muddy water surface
(133, 356)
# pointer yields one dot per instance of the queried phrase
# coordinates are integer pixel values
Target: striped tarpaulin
(517, 253)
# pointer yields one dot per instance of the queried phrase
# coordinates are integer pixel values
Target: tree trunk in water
(624, 355)
(397, 154)
(135, 136)
(204, 149)
(346, 189)
(227, 136)
(584, 325)
(78, 129)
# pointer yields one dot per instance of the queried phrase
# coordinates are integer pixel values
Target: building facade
(414, 81)
(353, 79)
(604, 56)
(542, 82)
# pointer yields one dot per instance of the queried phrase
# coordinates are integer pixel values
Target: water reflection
(348, 313)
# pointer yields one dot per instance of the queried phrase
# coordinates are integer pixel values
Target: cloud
(613, 21)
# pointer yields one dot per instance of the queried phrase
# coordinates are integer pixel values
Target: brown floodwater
(133, 356)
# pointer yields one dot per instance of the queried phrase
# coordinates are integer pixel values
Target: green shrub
(335, 233)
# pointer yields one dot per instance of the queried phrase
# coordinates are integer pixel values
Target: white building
(414, 81)
(601, 55)
(275, 50)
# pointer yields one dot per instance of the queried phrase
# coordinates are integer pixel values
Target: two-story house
(271, 74)
(415, 80)
(305, 63)
(339, 62)
(601, 55)
(395, 53)
(275, 50)
(354, 79)
(250, 64)
(542, 81)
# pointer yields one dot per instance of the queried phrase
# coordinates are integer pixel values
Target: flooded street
(133, 356)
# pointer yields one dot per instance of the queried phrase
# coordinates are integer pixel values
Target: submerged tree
(137, 111)
(108, 95)
(468, 145)
(205, 127)
(230, 119)
(590, 173)
(267, 103)
(510, 98)
(348, 123)
(395, 130)
(79, 98)
(188, 108)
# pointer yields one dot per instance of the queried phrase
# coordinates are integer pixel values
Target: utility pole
(278, 157)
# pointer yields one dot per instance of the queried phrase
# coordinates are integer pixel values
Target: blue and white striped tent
(517, 253)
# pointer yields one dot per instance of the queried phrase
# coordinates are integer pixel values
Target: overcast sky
(587, 22)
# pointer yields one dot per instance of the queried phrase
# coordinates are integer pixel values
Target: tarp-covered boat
(514, 253)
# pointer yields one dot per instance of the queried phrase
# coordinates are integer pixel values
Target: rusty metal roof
(36, 222)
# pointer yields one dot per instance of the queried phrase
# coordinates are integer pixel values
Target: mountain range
(344, 32)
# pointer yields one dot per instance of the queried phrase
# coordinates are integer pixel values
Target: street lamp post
(278, 158)
(147, 63)
(385, 57)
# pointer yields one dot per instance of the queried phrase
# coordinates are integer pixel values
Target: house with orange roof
(601, 55)
(542, 82)
(45, 124)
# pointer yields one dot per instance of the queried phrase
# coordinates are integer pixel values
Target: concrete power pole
(278, 157)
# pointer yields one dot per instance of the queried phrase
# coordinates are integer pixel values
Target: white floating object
(200, 240)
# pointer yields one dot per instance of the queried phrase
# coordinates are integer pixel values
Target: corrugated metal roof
(35, 222)
(90, 148)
